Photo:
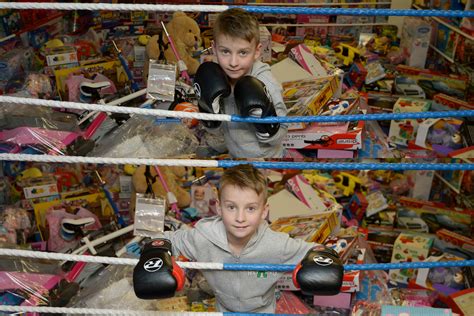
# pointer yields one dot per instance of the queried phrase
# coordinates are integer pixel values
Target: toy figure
(199, 200)
(444, 136)
(451, 277)
(337, 108)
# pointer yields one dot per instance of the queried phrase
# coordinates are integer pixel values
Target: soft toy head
(184, 29)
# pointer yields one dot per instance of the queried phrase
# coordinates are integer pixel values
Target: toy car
(438, 221)
(412, 223)
(432, 87)
(408, 87)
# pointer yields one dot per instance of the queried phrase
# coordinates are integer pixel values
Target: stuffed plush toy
(185, 33)
(171, 175)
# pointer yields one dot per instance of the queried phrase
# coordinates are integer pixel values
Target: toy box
(355, 30)
(305, 58)
(40, 187)
(403, 131)
(421, 188)
(113, 69)
(432, 81)
(300, 187)
(356, 76)
(316, 31)
(307, 97)
(311, 228)
(266, 41)
(316, 136)
(415, 41)
(446, 40)
(443, 102)
(438, 217)
(462, 302)
(409, 248)
(440, 135)
(61, 55)
(458, 240)
(390, 310)
(444, 280)
(41, 209)
(351, 281)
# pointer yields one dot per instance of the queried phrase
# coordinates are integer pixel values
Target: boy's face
(242, 211)
(235, 55)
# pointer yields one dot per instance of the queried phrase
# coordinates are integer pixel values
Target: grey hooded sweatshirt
(240, 138)
(239, 291)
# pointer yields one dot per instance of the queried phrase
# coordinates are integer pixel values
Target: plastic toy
(348, 183)
(356, 75)
(337, 108)
(347, 54)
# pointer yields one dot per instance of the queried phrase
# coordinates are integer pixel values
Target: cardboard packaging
(415, 41)
(305, 58)
(326, 137)
(403, 131)
(266, 41)
(440, 135)
(40, 187)
(409, 248)
(307, 97)
(311, 228)
(305, 193)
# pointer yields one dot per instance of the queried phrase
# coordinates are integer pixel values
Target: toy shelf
(452, 27)
(469, 37)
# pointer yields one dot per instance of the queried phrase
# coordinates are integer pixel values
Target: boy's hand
(252, 100)
(211, 85)
(320, 272)
(156, 275)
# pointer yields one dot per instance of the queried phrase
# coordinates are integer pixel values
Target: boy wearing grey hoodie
(240, 84)
(238, 234)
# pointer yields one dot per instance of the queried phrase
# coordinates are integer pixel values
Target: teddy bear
(185, 33)
(171, 176)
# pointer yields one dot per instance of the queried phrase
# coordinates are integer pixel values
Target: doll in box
(444, 137)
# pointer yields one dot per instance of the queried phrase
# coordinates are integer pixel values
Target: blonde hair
(245, 177)
(237, 23)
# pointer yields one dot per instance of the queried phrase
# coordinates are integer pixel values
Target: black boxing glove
(156, 275)
(252, 100)
(211, 86)
(320, 272)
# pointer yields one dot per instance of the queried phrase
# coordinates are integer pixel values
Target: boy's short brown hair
(237, 23)
(245, 176)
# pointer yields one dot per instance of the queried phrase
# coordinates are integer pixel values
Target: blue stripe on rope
(356, 11)
(350, 267)
(354, 117)
(347, 166)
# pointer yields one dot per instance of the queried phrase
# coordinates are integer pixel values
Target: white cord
(113, 108)
(113, 7)
(111, 161)
(100, 259)
(93, 311)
